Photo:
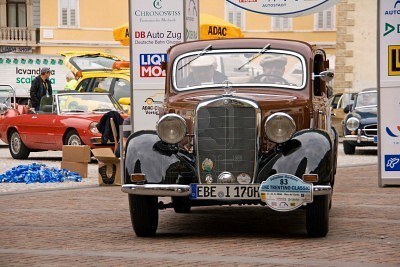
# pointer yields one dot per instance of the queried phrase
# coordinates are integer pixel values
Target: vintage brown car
(244, 121)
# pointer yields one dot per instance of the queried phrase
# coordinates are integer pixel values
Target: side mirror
(326, 76)
(348, 108)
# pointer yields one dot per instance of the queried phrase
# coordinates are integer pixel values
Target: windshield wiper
(202, 52)
(72, 110)
(262, 51)
(101, 109)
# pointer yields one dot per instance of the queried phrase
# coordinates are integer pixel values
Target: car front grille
(371, 130)
(227, 135)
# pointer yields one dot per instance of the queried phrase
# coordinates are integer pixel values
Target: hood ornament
(227, 85)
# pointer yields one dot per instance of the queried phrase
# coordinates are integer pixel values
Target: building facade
(346, 31)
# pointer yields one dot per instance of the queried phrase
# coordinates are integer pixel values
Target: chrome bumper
(167, 190)
(359, 138)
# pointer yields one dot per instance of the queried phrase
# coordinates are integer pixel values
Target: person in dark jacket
(40, 86)
(104, 126)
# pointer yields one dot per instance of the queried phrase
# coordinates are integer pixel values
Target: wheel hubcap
(15, 143)
(74, 140)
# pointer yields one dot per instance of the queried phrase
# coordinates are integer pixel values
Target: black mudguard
(308, 152)
(160, 162)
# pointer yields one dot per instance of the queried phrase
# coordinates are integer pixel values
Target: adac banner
(285, 8)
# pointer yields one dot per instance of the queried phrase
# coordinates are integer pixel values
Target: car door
(38, 129)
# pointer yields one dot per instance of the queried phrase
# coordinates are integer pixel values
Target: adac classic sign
(286, 8)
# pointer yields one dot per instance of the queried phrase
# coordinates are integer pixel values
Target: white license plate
(224, 191)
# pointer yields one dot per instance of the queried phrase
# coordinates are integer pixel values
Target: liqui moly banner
(285, 8)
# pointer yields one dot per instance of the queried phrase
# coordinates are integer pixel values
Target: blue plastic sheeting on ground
(38, 173)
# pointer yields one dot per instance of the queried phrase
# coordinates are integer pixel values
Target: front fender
(160, 162)
(308, 152)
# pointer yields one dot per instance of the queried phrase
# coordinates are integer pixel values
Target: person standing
(40, 86)
(71, 81)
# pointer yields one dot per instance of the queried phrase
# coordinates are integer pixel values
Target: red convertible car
(64, 119)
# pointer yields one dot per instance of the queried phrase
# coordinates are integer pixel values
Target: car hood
(296, 104)
(366, 112)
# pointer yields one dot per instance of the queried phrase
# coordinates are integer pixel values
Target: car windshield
(366, 99)
(79, 103)
(6, 94)
(241, 67)
(92, 63)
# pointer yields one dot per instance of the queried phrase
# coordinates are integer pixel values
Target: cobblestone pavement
(90, 226)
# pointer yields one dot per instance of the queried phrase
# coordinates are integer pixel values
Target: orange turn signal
(310, 178)
(138, 178)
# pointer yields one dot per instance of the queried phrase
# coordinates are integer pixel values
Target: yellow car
(100, 72)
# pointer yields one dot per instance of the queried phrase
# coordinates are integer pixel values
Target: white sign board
(389, 91)
(284, 8)
(155, 26)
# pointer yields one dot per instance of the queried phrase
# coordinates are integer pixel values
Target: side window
(319, 85)
(102, 85)
(83, 86)
(121, 88)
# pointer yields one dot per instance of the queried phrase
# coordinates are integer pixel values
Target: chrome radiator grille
(226, 139)
(371, 130)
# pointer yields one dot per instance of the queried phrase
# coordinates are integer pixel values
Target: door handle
(34, 117)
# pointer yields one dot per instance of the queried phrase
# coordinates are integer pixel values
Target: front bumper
(167, 190)
(359, 138)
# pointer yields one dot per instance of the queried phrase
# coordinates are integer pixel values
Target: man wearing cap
(40, 86)
(203, 72)
(273, 69)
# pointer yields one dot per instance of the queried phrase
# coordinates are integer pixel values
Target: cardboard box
(79, 167)
(109, 166)
(76, 153)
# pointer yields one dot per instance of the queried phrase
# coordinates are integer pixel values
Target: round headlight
(280, 127)
(93, 127)
(171, 128)
(352, 124)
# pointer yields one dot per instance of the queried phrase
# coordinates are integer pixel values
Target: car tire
(181, 204)
(348, 148)
(72, 138)
(18, 149)
(144, 214)
(317, 217)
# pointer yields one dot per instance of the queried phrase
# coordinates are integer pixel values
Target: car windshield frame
(89, 105)
(176, 65)
(361, 105)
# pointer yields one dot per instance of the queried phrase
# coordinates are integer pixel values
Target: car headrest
(46, 108)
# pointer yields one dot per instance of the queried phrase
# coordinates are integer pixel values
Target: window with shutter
(69, 13)
(234, 15)
(325, 20)
(281, 24)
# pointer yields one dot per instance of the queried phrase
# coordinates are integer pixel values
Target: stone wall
(355, 66)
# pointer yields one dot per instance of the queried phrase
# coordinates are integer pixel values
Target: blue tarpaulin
(38, 173)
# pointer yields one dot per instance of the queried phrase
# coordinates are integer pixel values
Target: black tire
(317, 217)
(181, 204)
(18, 149)
(348, 148)
(144, 214)
(72, 138)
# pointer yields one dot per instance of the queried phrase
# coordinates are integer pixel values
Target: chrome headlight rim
(290, 126)
(352, 123)
(93, 127)
(166, 119)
